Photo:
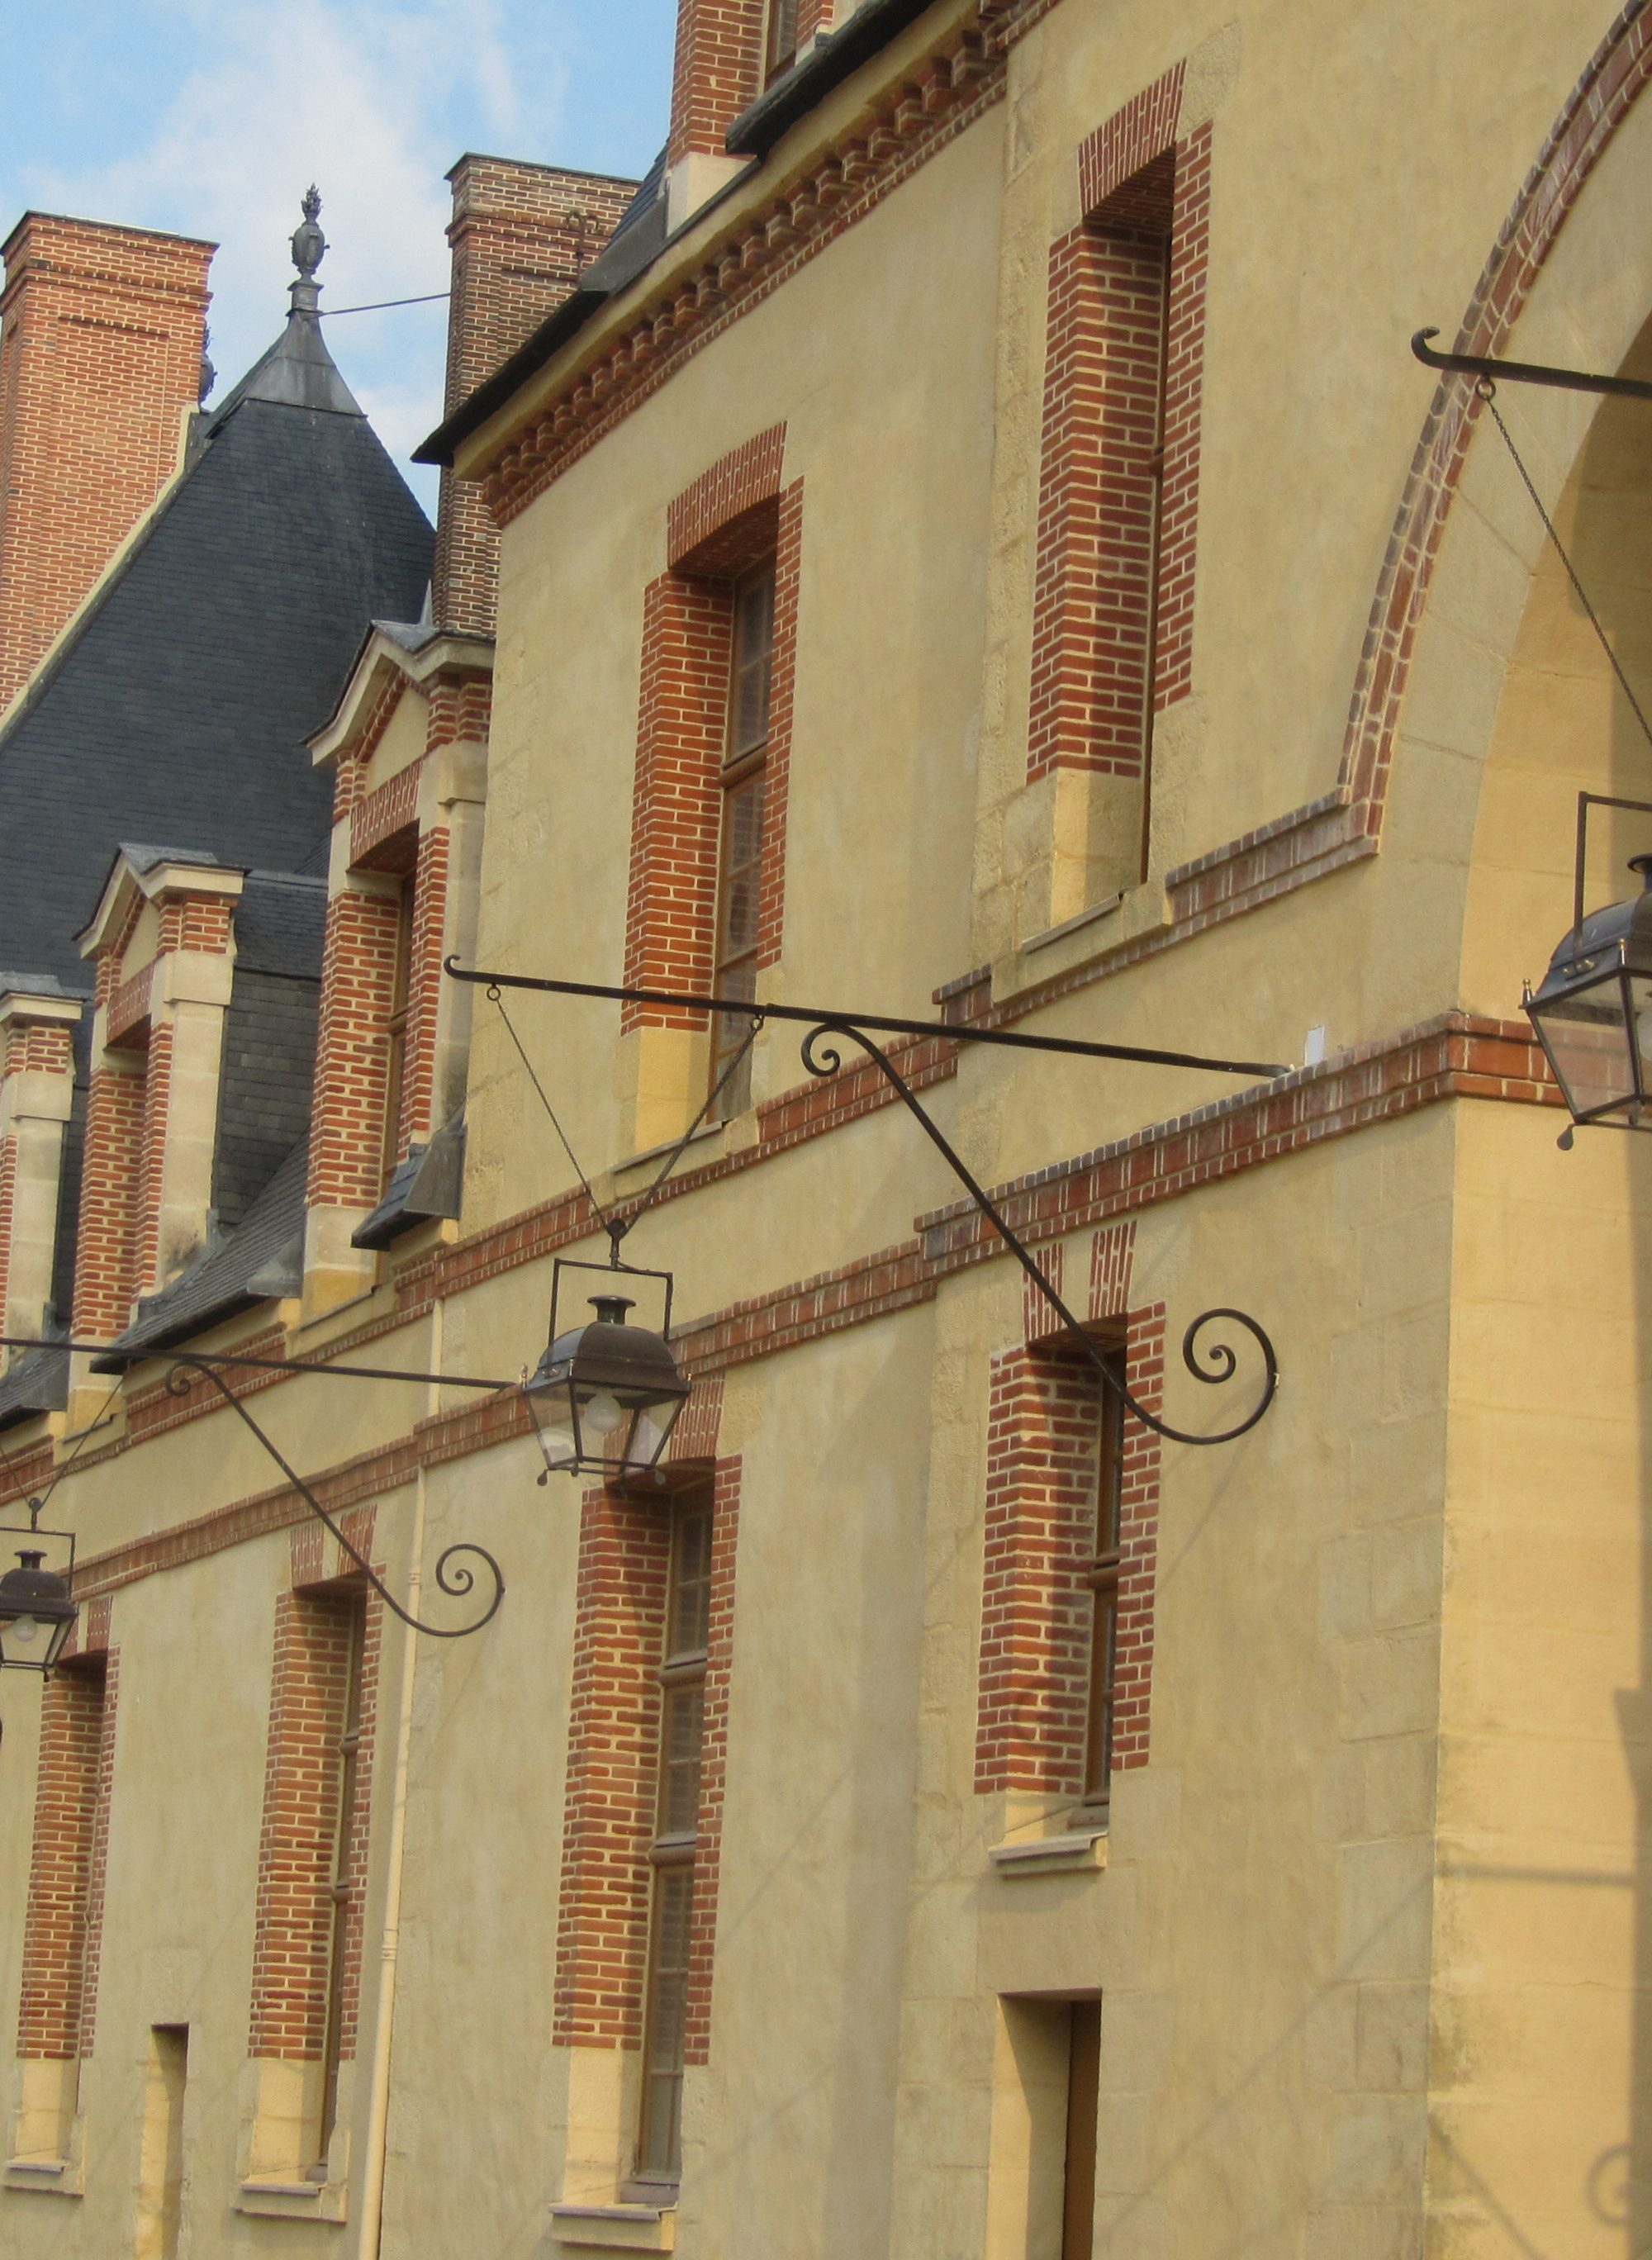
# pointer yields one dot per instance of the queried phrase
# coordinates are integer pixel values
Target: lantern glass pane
(1639, 988)
(1589, 1046)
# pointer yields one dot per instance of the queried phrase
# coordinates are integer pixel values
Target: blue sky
(212, 120)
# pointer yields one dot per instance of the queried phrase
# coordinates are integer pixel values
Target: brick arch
(1345, 824)
(1617, 75)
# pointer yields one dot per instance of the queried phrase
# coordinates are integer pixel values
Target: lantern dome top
(1626, 924)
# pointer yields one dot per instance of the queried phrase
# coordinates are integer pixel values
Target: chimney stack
(102, 334)
(521, 235)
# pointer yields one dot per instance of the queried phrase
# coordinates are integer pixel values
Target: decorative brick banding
(1457, 1055)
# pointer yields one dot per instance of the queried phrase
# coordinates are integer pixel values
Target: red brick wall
(1118, 500)
(718, 72)
(602, 1945)
(298, 1843)
(63, 1926)
(101, 334)
(733, 515)
(352, 1057)
(520, 236)
(1043, 1433)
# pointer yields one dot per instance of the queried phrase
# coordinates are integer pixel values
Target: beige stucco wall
(1366, 1930)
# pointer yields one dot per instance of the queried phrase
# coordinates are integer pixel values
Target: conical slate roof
(178, 705)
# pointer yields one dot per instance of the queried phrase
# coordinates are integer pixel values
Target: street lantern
(36, 1613)
(606, 1395)
(1593, 1013)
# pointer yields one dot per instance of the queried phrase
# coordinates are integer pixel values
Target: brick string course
(1457, 1055)
(101, 334)
(63, 1925)
(292, 1975)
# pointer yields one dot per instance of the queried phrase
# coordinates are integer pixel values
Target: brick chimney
(521, 236)
(102, 331)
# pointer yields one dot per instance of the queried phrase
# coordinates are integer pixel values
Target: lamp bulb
(602, 1415)
(25, 1631)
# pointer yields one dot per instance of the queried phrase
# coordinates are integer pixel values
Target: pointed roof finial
(308, 246)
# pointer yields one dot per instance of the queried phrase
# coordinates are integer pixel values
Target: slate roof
(181, 700)
(37, 1383)
(262, 1257)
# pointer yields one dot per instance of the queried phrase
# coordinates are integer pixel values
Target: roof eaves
(834, 58)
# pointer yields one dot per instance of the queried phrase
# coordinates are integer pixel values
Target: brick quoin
(733, 516)
(299, 1843)
(1118, 498)
(1043, 1436)
(63, 1924)
(100, 335)
(609, 1822)
(424, 980)
(520, 236)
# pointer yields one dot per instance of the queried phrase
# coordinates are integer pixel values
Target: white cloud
(372, 100)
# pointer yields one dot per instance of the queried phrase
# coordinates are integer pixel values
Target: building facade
(965, 539)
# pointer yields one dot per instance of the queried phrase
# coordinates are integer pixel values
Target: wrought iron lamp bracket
(1213, 1363)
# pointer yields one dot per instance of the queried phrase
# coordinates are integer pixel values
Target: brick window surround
(1119, 489)
(63, 1926)
(1043, 1436)
(388, 925)
(736, 514)
(610, 1819)
(128, 1174)
(295, 1988)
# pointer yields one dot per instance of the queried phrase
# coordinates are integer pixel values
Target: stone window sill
(1078, 942)
(291, 2200)
(614, 2227)
(1075, 1852)
(45, 2176)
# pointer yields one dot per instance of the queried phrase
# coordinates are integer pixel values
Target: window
(740, 852)
(396, 1022)
(1084, 2099)
(783, 38)
(1102, 1574)
(676, 1829)
(344, 1832)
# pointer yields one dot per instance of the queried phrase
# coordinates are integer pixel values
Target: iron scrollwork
(1212, 1363)
(454, 1575)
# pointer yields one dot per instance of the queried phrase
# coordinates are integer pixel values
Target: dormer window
(782, 42)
